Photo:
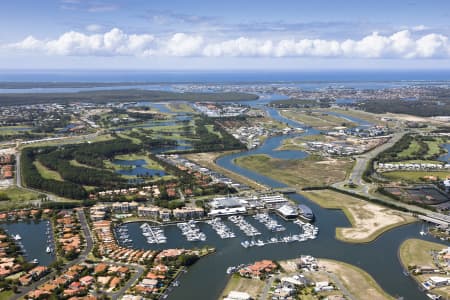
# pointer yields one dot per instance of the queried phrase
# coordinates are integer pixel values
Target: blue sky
(148, 34)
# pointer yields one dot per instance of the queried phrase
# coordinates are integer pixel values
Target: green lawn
(180, 107)
(410, 151)
(211, 130)
(18, 198)
(417, 252)
(74, 163)
(46, 172)
(133, 139)
(434, 147)
(17, 194)
(6, 295)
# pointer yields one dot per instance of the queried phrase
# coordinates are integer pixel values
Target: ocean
(418, 76)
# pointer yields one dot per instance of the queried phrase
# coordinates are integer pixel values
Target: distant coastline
(219, 76)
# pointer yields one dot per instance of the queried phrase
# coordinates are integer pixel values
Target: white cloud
(94, 27)
(419, 28)
(181, 44)
(29, 43)
(113, 42)
(403, 44)
(240, 47)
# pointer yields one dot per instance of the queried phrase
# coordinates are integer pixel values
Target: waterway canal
(34, 239)
(207, 278)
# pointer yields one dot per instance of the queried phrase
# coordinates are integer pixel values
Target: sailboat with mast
(422, 231)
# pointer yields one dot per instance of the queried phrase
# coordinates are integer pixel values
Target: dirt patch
(410, 118)
(240, 284)
(368, 220)
(348, 275)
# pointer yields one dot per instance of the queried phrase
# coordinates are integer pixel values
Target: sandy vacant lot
(368, 220)
(240, 284)
(415, 252)
(348, 275)
(411, 118)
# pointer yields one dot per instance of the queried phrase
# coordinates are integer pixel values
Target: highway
(363, 159)
(364, 188)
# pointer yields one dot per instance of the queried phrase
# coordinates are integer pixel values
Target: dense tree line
(300, 103)
(391, 154)
(150, 143)
(106, 96)
(94, 154)
(207, 141)
(58, 159)
(422, 108)
(60, 163)
(33, 179)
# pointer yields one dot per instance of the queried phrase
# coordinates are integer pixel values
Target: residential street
(89, 245)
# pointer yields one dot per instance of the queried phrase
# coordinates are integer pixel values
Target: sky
(244, 34)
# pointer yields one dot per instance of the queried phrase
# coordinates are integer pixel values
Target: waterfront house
(258, 269)
(149, 283)
(438, 281)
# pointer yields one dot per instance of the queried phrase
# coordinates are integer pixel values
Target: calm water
(446, 156)
(15, 129)
(378, 258)
(155, 87)
(136, 168)
(365, 78)
(33, 239)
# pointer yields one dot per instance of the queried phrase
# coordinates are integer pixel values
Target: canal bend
(207, 278)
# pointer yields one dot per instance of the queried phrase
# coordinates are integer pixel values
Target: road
(134, 278)
(82, 257)
(356, 175)
(339, 285)
(19, 180)
(365, 188)
(265, 292)
(89, 245)
(362, 160)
